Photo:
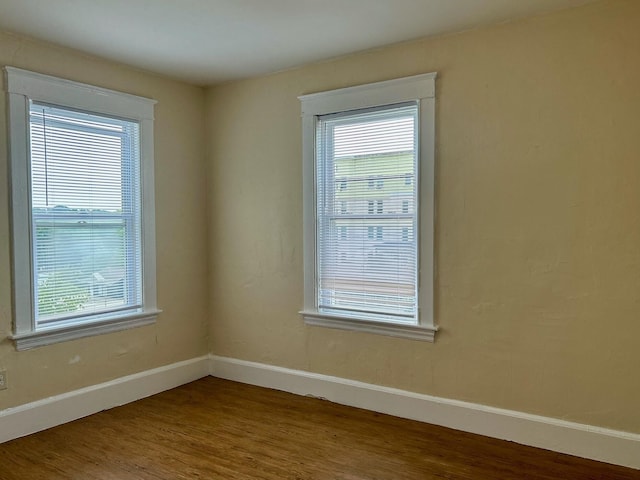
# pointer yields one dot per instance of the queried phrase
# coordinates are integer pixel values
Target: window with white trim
(82, 209)
(379, 140)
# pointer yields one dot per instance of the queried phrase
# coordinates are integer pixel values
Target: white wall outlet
(3, 379)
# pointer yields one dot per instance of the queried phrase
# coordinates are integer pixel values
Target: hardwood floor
(216, 429)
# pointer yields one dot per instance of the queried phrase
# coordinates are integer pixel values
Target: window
(370, 136)
(378, 204)
(373, 232)
(377, 183)
(82, 209)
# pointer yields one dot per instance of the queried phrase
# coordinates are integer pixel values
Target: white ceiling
(211, 41)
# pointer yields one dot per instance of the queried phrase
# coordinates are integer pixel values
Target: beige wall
(181, 330)
(538, 231)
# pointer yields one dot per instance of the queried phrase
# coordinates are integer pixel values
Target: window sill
(414, 332)
(49, 336)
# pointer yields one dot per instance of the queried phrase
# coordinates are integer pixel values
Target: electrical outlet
(3, 379)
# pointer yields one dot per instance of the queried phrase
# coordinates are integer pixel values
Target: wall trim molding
(49, 412)
(596, 443)
(606, 445)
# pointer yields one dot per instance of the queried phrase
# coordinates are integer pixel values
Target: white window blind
(367, 253)
(86, 214)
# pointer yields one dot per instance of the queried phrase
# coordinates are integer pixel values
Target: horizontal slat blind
(86, 214)
(367, 213)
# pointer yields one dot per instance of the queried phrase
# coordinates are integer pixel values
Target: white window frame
(23, 86)
(420, 88)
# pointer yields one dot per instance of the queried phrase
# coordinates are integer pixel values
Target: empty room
(340, 239)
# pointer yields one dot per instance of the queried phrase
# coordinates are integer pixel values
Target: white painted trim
(20, 211)
(50, 412)
(397, 90)
(427, 217)
(571, 438)
(60, 91)
(414, 332)
(39, 338)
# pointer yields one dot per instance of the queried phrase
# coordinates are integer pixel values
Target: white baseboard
(50, 412)
(611, 446)
(586, 441)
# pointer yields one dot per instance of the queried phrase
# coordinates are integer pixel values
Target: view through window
(86, 213)
(367, 213)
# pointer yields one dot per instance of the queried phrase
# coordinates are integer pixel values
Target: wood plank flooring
(216, 429)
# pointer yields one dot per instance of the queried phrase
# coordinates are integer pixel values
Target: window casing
(83, 233)
(380, 279)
